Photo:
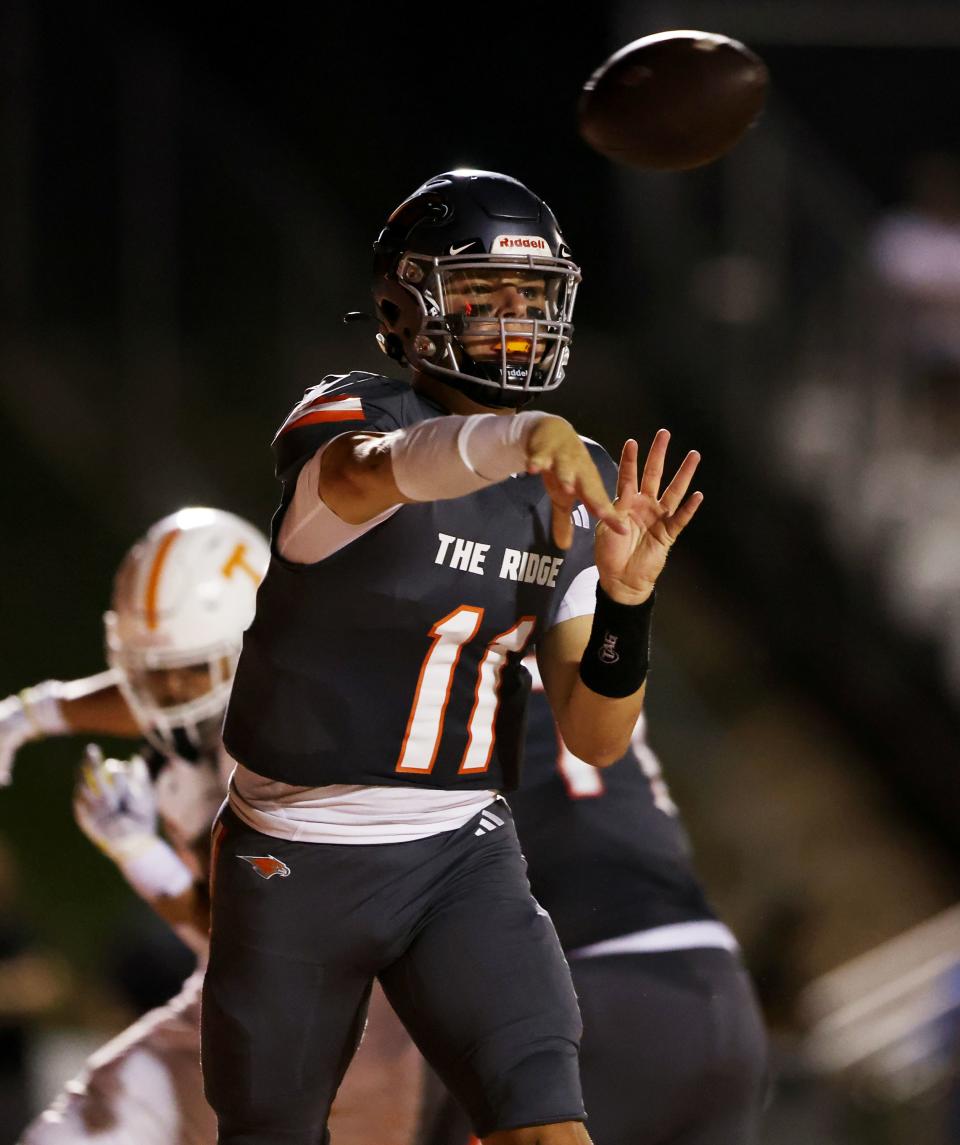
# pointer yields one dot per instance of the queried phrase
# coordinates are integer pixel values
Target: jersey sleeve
(580, 599)
(341, 403)
(310, 531)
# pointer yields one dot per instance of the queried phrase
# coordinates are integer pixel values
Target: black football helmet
(474, 285)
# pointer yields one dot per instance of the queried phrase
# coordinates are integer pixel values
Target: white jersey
(189, 795)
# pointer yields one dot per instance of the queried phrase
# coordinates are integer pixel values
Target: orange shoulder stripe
(325, 415)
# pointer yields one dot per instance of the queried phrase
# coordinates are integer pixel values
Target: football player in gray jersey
(424, 542)
(674, 1048)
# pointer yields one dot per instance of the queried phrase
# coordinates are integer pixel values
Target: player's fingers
(552, 449)
(653, 466)
(611, 517)
(541, 460)
(138, 771)
(555, 463)
(562, 503)
(574, 469)
(608, 513)
(677, 489)
(89, 782)
(561, 525)
(684, 515)
(566, 476)
(593, 494)
(560, 492)
(627, 473)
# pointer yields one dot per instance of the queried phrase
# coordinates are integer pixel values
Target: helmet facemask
(178, 700)
(500, 325)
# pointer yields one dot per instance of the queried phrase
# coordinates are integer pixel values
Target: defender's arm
(92, 705)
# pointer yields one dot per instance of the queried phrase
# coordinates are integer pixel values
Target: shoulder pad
(344, 397)
(339, 404)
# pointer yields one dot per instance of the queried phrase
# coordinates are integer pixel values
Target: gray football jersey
(396, 660)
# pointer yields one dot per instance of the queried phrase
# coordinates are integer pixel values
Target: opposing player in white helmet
(182, 598)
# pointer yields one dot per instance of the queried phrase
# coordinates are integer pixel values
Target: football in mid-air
(672, 101)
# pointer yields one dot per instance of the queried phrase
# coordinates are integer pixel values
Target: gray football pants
(467, 958)
(673, 1053)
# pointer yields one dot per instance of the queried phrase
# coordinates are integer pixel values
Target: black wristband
(617, 655)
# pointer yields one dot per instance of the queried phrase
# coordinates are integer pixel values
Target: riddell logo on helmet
(519, 242)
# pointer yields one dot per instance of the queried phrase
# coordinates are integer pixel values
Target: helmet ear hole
(389, 310)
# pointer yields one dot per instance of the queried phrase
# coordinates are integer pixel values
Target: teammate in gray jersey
(424, 542)
(182, 598)
(673, 1047)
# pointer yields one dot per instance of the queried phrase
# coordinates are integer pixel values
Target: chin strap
(485, 396)
(495, 398)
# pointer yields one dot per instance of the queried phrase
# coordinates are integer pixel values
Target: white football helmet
(182, 598)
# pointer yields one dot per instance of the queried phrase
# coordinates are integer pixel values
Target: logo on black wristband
(608, 653)
(617, 655)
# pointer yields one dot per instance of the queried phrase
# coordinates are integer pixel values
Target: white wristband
(41, 706)
(452, 456)
(156, 871)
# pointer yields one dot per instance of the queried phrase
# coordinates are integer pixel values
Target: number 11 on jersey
(421, 741)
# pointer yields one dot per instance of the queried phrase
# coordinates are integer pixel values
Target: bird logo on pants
(266, 866)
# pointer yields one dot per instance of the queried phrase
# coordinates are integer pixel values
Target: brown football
(672, 101)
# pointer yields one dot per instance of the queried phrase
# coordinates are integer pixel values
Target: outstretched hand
(556, 452)
(629, 562)
(114, 804)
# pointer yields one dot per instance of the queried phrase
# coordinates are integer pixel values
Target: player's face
(171, 687)
(494, 295)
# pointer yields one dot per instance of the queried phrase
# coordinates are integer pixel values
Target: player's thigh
(673, 1048)
(277, 1038)
(284, 998)
(486, 993)
(738, 1077)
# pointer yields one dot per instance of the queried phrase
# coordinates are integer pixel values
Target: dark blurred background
(188, 202)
